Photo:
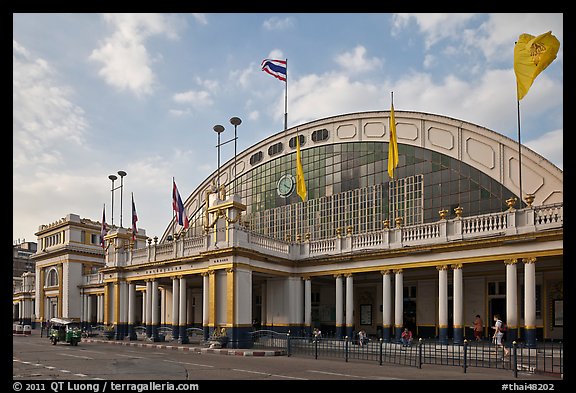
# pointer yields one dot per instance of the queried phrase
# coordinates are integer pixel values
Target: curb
(221, 351)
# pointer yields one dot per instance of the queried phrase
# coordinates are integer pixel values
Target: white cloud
(125, 60)
(435, 27)
(549, 145)
(45, 120)
(276, 23)
(276, 54)
(194, 98)
(356, 61)
(200, 18)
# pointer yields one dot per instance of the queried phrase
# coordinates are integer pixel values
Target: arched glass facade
(351, 181)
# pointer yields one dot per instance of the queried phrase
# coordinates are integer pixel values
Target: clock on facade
(285, 186)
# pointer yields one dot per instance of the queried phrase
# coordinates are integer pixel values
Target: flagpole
(173, 212)
(393, 179)
(286, 99)
(519, 157)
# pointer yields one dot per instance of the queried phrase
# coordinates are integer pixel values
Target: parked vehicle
(65, 330)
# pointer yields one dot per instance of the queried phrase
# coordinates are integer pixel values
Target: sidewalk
(190, 348)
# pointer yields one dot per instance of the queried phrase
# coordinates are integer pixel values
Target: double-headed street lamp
(235, 121)
(121, 187)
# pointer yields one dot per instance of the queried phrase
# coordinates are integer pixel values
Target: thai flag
(134, 220)
(276, 68)
(178, 207)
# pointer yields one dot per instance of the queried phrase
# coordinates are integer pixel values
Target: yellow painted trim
(106, 304)
(230, 295)
(443, 326)
(529, 327)
(387, 325)
(226, 205)
(458, 326)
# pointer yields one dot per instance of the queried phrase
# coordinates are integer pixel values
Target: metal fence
(544, 358)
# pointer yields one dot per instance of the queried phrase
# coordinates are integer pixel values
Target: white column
(155, 303)
(182, 302)
(149, 303)
(144, 306)
(131, 303)
(89, 309)
(457, 296)
(529, 293)
(205, 299)
(386, 299)
(124, 302)
(175, 303)
(307, 302)
(442, 296)
(511, 294)
(84, 307)
(349, 301)
(99, 309)
(398, 300)
(339, 302)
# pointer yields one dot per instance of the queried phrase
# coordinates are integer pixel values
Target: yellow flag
(300, 184)
(531, 56)
(393, 145)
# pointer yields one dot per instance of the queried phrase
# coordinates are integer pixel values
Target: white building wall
(221, 297)
(243, 296)
(71, 299)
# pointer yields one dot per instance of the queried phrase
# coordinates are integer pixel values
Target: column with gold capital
(307, 305)
(205, 305)
(339, 306)
(182, 305)
(386, 305)
(349, 304)
(131, 310)
(398, 304)
(148, 308)
(442, 304)
(175, 307)
(458, 301)
(530, 301)
(511, 300)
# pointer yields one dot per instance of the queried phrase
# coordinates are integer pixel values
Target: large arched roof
(490, 152)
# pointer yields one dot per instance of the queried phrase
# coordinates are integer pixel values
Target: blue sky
(98, 93)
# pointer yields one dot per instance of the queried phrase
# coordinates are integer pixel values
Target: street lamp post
(122, 174)
(121, 186)
(235, 121)
(218, 129)
(112, 177)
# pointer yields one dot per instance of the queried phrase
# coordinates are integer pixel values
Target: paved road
(34, 358)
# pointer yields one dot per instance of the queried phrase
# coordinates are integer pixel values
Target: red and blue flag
(276, 68)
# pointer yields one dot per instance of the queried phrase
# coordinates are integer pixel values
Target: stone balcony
(512, 222)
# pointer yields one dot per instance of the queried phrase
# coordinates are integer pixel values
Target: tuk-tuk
(65, 330)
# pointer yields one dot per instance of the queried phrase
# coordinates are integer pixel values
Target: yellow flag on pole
(531, 56)
(300, 184)
(393, 145)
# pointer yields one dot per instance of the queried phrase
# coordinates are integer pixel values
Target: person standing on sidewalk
(478, 327)
(498, 334)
